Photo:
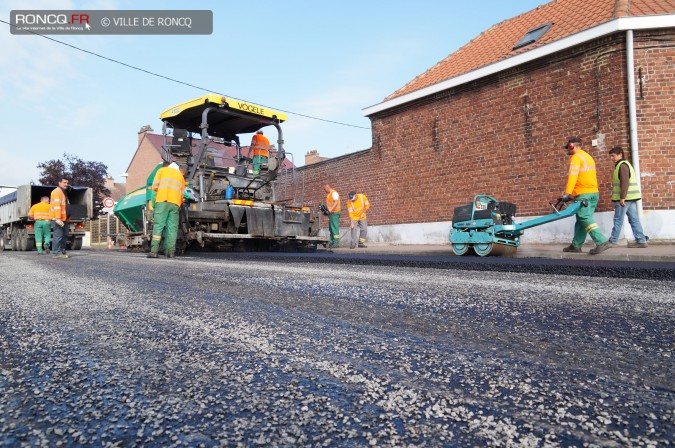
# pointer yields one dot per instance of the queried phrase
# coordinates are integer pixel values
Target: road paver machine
(230, 205)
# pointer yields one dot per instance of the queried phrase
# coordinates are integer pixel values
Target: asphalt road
(113, 349)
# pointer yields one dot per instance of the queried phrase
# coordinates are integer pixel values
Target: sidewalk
(655, 252)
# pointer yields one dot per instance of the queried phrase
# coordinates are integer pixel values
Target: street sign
(108, 202)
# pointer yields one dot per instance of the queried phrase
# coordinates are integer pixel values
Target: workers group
(357, 206)
(51, 214)
(582, 184)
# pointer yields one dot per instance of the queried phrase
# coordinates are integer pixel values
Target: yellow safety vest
(581, 178)
(40, 211)
(357, 208)
(633, 193)
(169, 185)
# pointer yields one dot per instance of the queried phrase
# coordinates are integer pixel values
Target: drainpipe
(632, 114)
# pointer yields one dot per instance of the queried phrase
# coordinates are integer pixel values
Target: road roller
(488, 227)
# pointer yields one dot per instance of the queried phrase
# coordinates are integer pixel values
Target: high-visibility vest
(333, 202)
(581, 178)
(40, 211)
(633, 193)
(169, 185)
(357, 208)
(57, 204)
(260, 145)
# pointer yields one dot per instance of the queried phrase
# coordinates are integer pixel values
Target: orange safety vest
(261, 145)
(169, 185)
(333, 202)
(40, 211)
(57, 205)
(581, 178)
(357, 208)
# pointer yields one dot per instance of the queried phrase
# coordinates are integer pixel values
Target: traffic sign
(108, 202)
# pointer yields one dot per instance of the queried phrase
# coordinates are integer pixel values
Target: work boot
(47, 249)
(170, 255)
(635, 244)
(572, 248)
(352, 246)
(600, 248)
(362, 245)
(152, 255)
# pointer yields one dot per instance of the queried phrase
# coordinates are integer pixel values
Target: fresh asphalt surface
(112, 348)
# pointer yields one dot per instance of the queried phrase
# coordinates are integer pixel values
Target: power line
(179, 81)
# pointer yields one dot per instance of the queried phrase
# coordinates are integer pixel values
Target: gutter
(622, 24)
(632, 114)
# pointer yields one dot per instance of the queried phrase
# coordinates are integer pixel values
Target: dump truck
(17, 230)
(234, 204)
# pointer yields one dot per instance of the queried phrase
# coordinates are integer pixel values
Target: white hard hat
(174, 165)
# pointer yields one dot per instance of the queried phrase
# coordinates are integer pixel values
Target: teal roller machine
(487, 226)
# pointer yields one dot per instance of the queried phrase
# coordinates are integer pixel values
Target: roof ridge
(621, 8)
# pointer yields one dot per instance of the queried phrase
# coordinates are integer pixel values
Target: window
(533, 35)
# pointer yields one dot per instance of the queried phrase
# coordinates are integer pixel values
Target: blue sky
(324, 59)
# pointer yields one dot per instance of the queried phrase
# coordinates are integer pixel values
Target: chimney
(314, 157)
(141, 133)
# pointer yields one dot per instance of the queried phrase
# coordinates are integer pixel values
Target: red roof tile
(496, 43)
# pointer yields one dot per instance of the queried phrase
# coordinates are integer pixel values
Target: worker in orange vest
(58, 214)
(333, 206)
(582, 183)
(358, 205)
(169, 185)
(40, 214)
(260, 147)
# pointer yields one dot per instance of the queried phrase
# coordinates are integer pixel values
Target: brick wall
(655, 72)
(503, 136)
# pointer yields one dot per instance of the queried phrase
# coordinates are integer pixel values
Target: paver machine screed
(487, 226)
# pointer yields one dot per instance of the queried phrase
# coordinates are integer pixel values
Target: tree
(81, 173)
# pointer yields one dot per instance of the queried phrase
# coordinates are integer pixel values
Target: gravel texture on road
(113, 349)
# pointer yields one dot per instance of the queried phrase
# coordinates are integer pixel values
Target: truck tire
(76, 244)
(24, 241)
(15, 241)
(4, 244)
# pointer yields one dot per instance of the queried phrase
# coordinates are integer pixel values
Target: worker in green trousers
(40, 213)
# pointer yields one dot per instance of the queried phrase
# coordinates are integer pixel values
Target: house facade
(492, 118)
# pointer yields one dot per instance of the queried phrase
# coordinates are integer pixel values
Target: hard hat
(174, 165)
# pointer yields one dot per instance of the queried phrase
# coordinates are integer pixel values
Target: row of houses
(492, 118)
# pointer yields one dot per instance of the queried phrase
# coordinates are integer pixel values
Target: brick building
(492, 118)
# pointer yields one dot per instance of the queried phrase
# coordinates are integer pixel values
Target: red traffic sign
(108, 202)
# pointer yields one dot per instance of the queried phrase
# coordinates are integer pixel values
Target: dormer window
(533, 35)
